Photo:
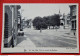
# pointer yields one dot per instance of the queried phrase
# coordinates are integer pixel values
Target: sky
(30, 11)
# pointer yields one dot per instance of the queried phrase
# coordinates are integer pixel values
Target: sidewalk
(24, 42)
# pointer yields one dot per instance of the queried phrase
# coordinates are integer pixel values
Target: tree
(39, 23)
(55, 20)
(47, 21)
(43, 23)
(28, 23)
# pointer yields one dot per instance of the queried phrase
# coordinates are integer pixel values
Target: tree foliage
(39, 23)
(43, 23)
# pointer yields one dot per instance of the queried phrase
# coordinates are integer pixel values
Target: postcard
(40, 28)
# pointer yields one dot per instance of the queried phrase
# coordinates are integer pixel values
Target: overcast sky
(30, 11)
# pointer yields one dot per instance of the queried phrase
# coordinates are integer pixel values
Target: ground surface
(47, 38)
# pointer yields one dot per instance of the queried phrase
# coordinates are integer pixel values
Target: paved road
(47, 38)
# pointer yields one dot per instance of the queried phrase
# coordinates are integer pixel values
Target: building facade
(73, 18)
(7, 26)
(67, 22)
(19, 20)
(10, 25)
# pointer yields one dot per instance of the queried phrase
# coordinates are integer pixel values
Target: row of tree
(45, 22)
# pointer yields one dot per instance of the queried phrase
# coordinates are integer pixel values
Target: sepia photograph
(40, 27)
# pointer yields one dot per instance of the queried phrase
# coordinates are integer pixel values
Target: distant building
(29, 23)
(73, 18)
(10, 25)
(67, 21)
(61, 19)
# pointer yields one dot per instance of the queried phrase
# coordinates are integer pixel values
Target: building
(10, 25)
(61, 19)
(73, 18)
(19, 20)
(7, 29)
(67, 21)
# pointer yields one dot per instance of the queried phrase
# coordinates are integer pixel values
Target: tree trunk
(49, 27)
(40, 30)
(53, 27)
